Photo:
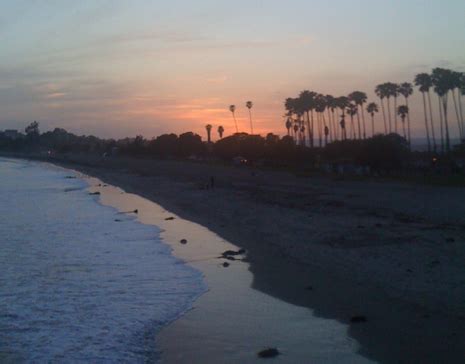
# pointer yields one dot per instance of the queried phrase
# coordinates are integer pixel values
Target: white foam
(76, 285)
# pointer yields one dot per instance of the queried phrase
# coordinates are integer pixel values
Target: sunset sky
(118, 68)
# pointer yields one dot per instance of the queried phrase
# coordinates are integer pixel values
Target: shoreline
(414, 313)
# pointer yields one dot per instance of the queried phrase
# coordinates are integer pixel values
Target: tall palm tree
(455, 89)
(402, 111)
(420, 80)
(372, 108)
(462, 93)
(220, 131)
(352, 111)
(330, 109)
(342, 103)
(392, 90)
(209, 132)
(406, 90)
(307, 100)
(359, 98)
(320, 109)
(249, 105)
(424, 82)
(381, 93)
(232, 108)
(288, 125)
(443, 81)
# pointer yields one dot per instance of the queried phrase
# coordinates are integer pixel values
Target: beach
(382, 260)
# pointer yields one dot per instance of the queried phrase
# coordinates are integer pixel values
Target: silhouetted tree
(208, 127)
(249, 106)
(232, 108)
(424, 82)
(372, 108)
(406, 90)
(220, 131)
(381, 93)
(402, 111)
(359, 98)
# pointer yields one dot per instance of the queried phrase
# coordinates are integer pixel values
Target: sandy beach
(324, 248)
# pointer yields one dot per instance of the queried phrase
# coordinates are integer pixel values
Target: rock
(117, 220)
(183, 241)
(169, 218)
(358, 319)
(232, 253)
(94, 193)
(225, 264)
(70, 177)
(268, 353)
(309, 288)
(450, 240)
(136, 211)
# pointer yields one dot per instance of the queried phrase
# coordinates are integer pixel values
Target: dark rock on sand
(183, 241)
(169, 218)
(358, 319)
(232, 253)
(268, 353)
(94, 193)
(225, 264)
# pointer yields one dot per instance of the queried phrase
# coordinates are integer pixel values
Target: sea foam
(75, 285)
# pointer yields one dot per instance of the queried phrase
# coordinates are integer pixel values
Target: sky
(117, 68)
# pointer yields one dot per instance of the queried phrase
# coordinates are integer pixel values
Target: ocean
(75, 284)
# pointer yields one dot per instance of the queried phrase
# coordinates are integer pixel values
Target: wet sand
(320, 251)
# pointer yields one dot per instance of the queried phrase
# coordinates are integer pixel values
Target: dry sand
(392, 252)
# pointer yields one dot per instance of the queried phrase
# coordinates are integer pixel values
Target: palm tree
(456, 83)
(424, 82)
(288, 125)
(249, 105)
(342, 103)
(372, 108)
(320, 108)
(352, 111)
(462, 93)
(381, 93)
(359, 98)
(406, 90)
(392, 90)
(402, 111)
(330, 109)
(232, 108)
(220, 131)
(443, 81)
(209, 132)
(307, 101)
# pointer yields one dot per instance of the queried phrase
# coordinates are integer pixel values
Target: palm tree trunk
(408, 120)
(459, 121)
(461, 115)
(251, 125)
(441, 124)
(426, 123)
(352, 127)
(309, 132)
(235, 123)
(330, 126)
(320, 134)
(363, 122)
(389, 114)
(403, 127)
(372, 124)
(384, 115)
(395, 114)
(313, 134)
(336, 128)
(446, 122)
(433, 133)
(358, 123)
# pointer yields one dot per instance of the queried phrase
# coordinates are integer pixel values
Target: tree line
(316, 118)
